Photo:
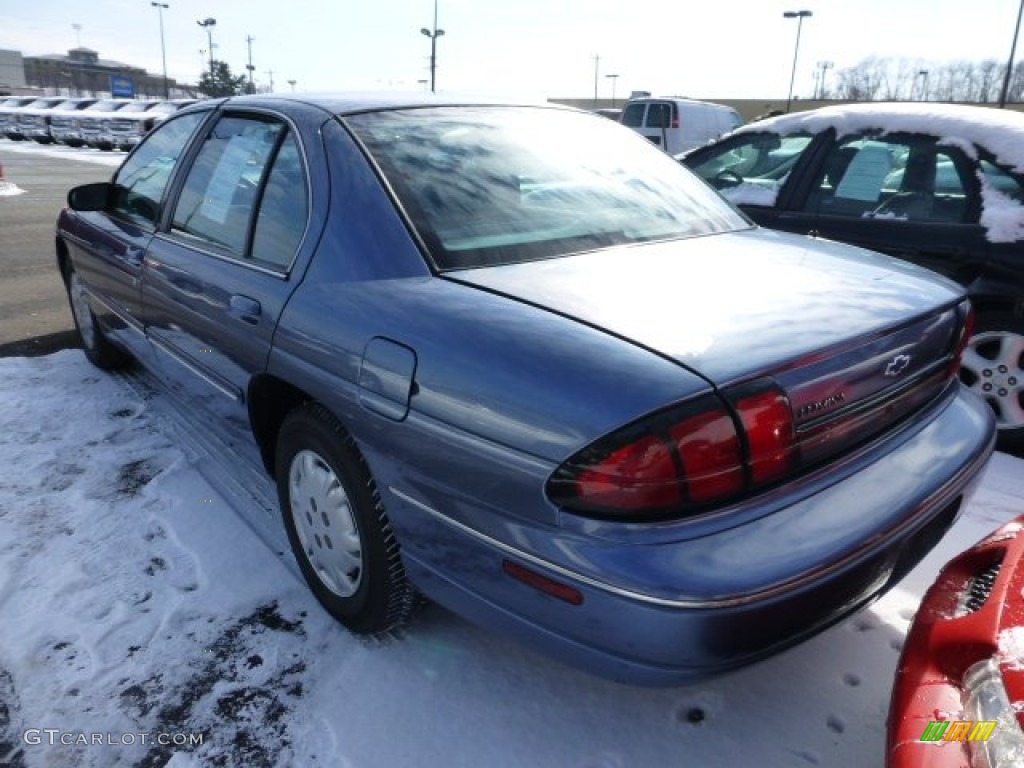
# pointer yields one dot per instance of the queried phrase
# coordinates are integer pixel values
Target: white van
(678, 125)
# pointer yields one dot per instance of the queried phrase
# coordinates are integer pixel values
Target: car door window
(659, 115)
(909, 178)
(219, 196)
(140, 184)
(284, 209)
(633, 115)
(752, 168)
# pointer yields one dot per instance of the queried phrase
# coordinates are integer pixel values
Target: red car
(958, 696)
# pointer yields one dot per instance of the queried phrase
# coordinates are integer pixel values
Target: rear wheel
(993, 367)
(336, 524)
(100, 351)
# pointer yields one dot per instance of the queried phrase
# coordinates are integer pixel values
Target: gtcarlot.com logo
(55, 736)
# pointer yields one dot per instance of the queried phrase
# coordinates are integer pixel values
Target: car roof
(1000, 131)
(351, 103)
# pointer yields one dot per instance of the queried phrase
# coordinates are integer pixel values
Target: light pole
(249, 66)
(823, 68)
(292, 84)
(163, 51)
(433, 35)
(614, 79)
(922, 94)
(209, 24)
(799, 16)
(1009, 63)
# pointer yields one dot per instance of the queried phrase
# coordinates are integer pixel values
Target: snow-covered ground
(134, 599)
(86, 154)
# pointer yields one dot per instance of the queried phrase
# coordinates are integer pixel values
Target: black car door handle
(248, 310)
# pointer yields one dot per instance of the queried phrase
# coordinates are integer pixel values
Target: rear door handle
(246, 309)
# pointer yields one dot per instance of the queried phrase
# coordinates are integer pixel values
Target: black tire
(993, 367)
(367, 592)
(100, 351)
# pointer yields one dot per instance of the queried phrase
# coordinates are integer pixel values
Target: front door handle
(246, 309)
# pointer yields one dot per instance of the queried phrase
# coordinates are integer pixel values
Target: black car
(939, 185)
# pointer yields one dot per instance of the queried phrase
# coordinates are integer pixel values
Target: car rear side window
(284, 208)
(220, 192)
(633, 115)
(140, 184)
(891, 177)
(659, 115)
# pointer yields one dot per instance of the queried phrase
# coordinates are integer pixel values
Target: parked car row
(80, 122)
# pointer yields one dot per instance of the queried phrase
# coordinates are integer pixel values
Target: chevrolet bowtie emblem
(897, 365)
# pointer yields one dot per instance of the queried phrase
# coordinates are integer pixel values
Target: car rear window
(500, 185)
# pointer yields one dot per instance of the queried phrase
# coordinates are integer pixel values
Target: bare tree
(896, 79)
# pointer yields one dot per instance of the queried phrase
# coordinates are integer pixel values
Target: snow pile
(1000, 131)
(9, 189)
(1001, 215)
(134, 599)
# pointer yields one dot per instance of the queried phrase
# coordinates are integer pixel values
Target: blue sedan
(518, 360)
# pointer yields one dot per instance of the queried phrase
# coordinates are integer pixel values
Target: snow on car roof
(1000, 131)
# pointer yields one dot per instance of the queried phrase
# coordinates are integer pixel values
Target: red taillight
(710, 451)
(768, 422)
(639, 475)
(683, 459)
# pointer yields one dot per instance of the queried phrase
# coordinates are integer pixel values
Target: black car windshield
(500, 185)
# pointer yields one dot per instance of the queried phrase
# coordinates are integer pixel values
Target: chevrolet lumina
(520, 361)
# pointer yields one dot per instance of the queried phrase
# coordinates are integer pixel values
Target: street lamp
(922, 94)
(1009, 64)
(292, 84)
(163, 51)
(433, 48)
(209, 24)
(614, 79)
(799, 16)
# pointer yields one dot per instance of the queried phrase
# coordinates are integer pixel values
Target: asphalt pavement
(34, 314)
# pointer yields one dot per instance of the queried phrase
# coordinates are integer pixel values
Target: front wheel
(100, 351)
(336, 524)
(993, 367)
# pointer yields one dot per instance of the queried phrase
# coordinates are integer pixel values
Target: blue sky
(723, 48)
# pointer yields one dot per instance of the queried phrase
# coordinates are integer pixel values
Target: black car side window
(284, 208)
(751, 168)
(906, 178)
(217, 201)
(140, 184)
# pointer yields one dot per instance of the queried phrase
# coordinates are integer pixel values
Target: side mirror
(91, 197)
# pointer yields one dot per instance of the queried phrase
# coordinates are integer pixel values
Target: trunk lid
(854, 339)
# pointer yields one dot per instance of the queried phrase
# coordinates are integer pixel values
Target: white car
(677, 125)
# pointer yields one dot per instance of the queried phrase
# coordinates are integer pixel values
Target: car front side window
(220, 192)
(751, 169)
(140, 184)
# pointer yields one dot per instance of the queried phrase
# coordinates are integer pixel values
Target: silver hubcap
(83, 313)
(323, 519)
(992, 366)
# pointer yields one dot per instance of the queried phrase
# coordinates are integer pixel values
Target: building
(12, 72)
(83, 73)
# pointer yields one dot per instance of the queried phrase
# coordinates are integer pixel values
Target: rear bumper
(945, 640)
(668, 609)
